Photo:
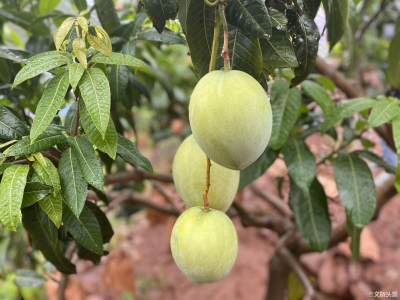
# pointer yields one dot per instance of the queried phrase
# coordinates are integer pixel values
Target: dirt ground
(141, 264)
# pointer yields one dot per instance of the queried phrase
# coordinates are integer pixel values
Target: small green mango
(189, 172)
(231, 118)
(204, 244)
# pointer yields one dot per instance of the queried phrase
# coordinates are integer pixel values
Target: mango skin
(204, 244)
(231, 118)
(189, 172)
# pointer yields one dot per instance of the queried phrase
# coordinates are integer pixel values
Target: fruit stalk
(225, 51)
(214, 49)
(205, 195)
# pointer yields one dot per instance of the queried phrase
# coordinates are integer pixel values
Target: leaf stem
(214, 49)
(205, 195)
(225, 50)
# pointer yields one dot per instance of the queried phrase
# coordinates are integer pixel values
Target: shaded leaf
(257, 168)
(41, 63)
(337, 16)
(95, 91)
(119, 59)
(182, 12)
(250, 16)
(52, 252)
(80, 4)
(107, 14)
(376, 159)
(278, 51)
(11, 194)
(11, 128)
(393, 71)
(310, 211)
(319, 95)
(14, 55)
(278, 19)
(384, 110)
(52, 204)
(88, 162)
(312, 6)
(119, 78)
(85, 230)
(166, 37)
(26, 20)
(355, 234)
(244, 53)
(356, 188)
(285, 103)
(300, 163)
(73, 184)
(70, 118)
(4, 74)
(34, 192)
(53, 96)
(109, 143)
(305, 38)
(106, 229)
(50, 137)
(28, 278)
(200, 31)
(128, 151)
(346, 110)
(160, 11)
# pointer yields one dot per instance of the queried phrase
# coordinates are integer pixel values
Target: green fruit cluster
(231, 121)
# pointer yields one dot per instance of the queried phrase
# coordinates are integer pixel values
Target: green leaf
(11, 128)
(53, 96)
(182, 12)
(73, 184)
(129, 48)
(250, 16)
(160, 11)
(310, 211)
(200, 31)
(105, 226)
(300, 163)
(384, 110)
(355, 234)
(376, 159)
(356, 188)
(119, 59)
(14, 55)
(4, 74)
(50, 137)
(257, 168)
(88, 162)
(312, 6)
(109, 143)
(42, 240)
(107, 14)
(305, 38)
(319, 95)
(28, 278)
(346, 110)
(278, 51)
(278, 19)
(95, 91)
(396, 137)
(46, 6)
(85, 230)
(244, 53)
(52, 204)
(76, 71)
(393, 71)
(70, 118)
(11, 194)
(26, 20)
(80, 4)
(41, 63)
(34, 192)
(337, 16)
(166, 37)
(128, 151)
(119, 78)
(285, 103)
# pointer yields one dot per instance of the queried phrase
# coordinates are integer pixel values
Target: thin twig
(136, 175)
(162, 191)
(291, 261)
(52, 158)
(64, 278)
(205, 195)
(225, 50)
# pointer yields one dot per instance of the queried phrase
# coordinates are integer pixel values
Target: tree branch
(136, 175)
(64, 278)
